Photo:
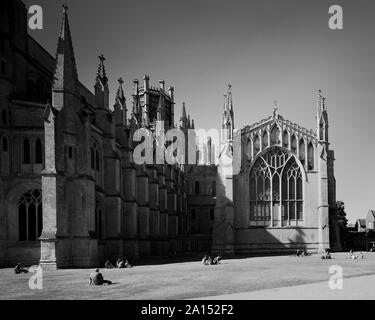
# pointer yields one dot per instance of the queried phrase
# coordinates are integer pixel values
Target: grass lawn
(185, 280)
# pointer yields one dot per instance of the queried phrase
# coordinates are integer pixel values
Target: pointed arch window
(26, 151)
(92, 158)
(95, 157)
(276, 190)
(256, 145)
(3, 67)
(275, 135)
(98, 224)
(196, 187)
(321, 131)
(30, 215)
(4, 117)
(310, 156)
(293, 142)
(97, 160)
(4, 144)
(302, 156)
(213, 188)
(265, 140)
(38, 152)
(285, 139)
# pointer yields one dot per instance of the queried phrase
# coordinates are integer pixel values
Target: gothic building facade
(70, 191)
(279, 193)
(72, 194)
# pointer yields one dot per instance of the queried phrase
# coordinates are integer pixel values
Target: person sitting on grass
(204, 260)
(352, 255)
(96, 279)
(120, 263)
(216, 260)
(20, 269)
(108, 265)
(127, 264)
(327, 255)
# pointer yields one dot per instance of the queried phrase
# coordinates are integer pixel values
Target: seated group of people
(207, 260)
(120, 263)
(301, 253)
(327, 255)
(96, 279)
(352, 255)
(20, 269)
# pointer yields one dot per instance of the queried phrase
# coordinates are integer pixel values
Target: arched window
(293, 142)
(213, 188)
(321, 131)
(275, 189)
(310, 157)
(38, 151)
(265, 140)
(95, 157)
(212, 214)
(285, 139)
(4, 118)
(193, 214)
(30, 216)
(196, 187)
(302, 151)
(26, 151)
(275, 135)
(256, 145)
(4, 144)
(3, 68)
(98, 224)
(92, 158)
(97, 161)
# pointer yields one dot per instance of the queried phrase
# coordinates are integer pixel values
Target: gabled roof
(361, 222)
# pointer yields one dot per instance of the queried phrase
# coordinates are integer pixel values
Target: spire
(120, 97)
(65, 75)
(183, 118)
(101, 74)
(275, 110)
(321, 104)
(322, 118)
(183, 111)
(229, 104)
(228, 118)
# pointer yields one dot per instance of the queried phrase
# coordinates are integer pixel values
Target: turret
(120, 110)
(183, 119)
(227, 123)
(322, 119)
(145, 108)
(101, 85)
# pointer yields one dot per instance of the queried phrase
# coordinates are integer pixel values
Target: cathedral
(71, 194)
(278, 192)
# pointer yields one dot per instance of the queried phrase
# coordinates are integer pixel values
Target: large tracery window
(30, 216)
(276, 190)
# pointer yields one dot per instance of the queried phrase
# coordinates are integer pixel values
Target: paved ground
(252, 277)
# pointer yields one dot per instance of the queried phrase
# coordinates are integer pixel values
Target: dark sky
(267, 49)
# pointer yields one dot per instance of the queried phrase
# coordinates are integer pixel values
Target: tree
(341, 215)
